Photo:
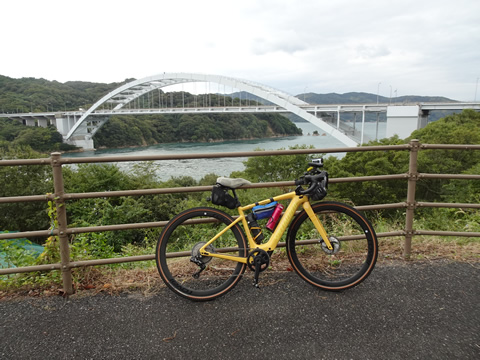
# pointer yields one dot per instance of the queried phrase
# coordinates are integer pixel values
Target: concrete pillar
(402, 120)
(86, 142)
(423, 119)
(338, 117)
(62, 125)
(71, 121)
(363, 125)
(42, 122)
(30, 122)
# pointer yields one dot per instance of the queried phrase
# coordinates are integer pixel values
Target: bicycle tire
(353, 261)
(220, 275)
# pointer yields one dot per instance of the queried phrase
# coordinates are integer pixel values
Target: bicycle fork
(318, 225)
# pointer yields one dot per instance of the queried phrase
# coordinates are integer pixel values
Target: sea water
(198, 168)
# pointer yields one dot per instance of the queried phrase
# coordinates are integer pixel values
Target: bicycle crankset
(199, 259)
(335, 243)
(258, 261)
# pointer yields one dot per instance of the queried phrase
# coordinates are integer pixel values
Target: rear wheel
(178, 257)
(354, 241)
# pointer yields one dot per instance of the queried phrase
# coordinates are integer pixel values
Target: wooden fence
(63, 231)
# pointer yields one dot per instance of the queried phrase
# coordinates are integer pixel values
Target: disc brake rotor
(196, 252)
(335, 244)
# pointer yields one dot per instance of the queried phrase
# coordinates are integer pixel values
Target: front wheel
(355, 247)
(180, 263)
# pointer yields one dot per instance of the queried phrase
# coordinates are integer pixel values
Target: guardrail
(61, 198)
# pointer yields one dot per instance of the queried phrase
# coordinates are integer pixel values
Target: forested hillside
(32, 95)
(148, 130)
(40, 139)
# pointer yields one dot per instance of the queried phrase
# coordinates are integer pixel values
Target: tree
(22, 181)
(463, 128)
(369, 163)
(276, 168)
(38, 138)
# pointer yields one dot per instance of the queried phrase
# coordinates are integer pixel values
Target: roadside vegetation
(463, 128)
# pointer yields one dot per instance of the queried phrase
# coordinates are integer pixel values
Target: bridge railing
(60, 198)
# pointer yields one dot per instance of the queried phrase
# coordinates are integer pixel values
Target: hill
(36, 95)
(350, 98)
(366, 98)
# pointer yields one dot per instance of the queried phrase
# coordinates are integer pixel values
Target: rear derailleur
(199, 259)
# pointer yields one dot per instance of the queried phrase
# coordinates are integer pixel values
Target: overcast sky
(416, 47)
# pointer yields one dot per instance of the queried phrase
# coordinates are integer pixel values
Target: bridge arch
(84, 128)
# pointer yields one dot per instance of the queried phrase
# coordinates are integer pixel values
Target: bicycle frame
(271, 244)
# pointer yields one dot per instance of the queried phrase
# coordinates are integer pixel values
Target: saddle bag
(220, 196)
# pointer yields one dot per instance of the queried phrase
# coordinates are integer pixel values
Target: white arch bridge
(79, 127)
(92, 120)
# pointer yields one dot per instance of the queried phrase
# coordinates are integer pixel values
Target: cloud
(286, 44)
(371, 51)
(324, 46)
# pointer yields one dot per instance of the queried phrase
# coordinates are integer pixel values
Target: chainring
(258, 255)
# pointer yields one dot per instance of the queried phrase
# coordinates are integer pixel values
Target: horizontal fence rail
(63, 231)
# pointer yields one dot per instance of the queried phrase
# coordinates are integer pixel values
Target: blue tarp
(26, 244)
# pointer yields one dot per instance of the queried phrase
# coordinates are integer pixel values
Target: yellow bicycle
(203, 252)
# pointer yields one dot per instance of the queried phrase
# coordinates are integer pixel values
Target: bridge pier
(42, 122)
(30, 122)
(85, 142)
(62, 124)
(403, 120)
(423, 118)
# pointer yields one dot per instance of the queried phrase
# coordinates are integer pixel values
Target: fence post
(411, 204)
(62, 223)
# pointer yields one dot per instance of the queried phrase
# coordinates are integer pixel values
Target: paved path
(413, 311)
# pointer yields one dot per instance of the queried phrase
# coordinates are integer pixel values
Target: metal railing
(63, 231)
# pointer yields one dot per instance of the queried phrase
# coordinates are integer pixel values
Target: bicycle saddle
(232, 183)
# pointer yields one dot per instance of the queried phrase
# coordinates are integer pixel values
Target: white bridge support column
(71, 121)
(402, 120)
(338, 117)
(42, 122)
(86, 142)
(423, 118)
(363, 125)
(30, 122)
(62, 124)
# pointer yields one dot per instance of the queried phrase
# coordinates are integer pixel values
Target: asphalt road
(412, 311)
